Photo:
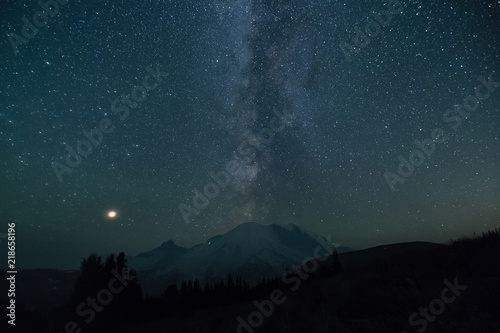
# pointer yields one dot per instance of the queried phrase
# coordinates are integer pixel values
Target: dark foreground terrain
(412, 287)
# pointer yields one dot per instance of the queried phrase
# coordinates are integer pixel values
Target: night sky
(306, 106)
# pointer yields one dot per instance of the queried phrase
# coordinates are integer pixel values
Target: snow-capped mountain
(161, 257)
(250, 250)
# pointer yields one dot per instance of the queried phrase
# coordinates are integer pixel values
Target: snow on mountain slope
(243, 249)
(163, 256)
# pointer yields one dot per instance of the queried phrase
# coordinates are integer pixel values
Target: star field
(227, 74)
